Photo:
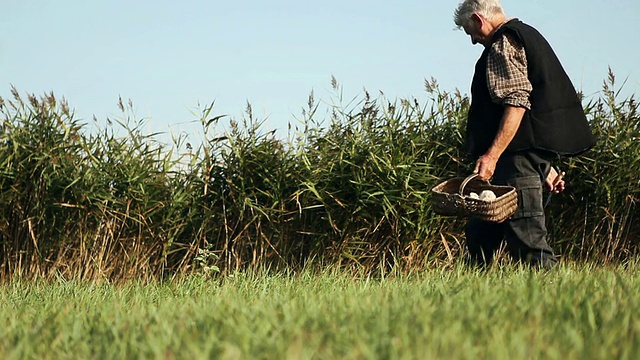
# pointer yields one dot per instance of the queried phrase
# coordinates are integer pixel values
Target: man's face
(478, 30)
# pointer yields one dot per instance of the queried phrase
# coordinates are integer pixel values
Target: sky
(173, 58)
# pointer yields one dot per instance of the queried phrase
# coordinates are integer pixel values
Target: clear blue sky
(170, 56)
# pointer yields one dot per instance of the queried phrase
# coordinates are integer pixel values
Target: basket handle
(466, 181)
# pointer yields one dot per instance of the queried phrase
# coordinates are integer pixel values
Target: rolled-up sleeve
(507, 74)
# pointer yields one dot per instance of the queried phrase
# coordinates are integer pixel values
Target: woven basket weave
(451, 198)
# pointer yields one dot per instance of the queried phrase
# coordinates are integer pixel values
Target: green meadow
(315, 244)
(509, 312)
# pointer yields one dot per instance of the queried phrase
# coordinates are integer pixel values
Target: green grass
(572, 312)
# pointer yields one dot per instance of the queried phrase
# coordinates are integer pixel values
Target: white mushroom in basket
(487, 195)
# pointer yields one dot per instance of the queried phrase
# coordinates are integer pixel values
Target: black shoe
(542, 260)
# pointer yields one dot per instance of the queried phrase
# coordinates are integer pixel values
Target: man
(524, 113)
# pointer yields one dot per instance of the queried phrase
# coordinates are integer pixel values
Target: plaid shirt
(507, 73)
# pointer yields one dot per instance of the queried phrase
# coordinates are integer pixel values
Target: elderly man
(524, 113)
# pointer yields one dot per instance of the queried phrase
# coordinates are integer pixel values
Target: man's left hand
(485, 167)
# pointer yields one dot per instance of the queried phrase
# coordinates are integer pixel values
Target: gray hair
(487, 8)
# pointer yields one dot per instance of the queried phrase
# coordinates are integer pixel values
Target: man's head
(479, 19)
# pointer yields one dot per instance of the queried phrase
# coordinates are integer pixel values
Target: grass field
(575, 311)
(94, 222)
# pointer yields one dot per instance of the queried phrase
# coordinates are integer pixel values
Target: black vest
(556, 122)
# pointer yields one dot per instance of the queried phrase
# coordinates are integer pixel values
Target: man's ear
(477, 20)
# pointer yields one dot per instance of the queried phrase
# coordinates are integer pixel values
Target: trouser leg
(526, 231)
(483, 239)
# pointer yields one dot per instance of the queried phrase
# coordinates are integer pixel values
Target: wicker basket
(451, 198)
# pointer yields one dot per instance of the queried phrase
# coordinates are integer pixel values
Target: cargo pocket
(529, 191)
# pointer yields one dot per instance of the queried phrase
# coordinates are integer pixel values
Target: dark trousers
(525, 233)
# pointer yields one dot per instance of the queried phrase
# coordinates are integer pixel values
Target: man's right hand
(554, 181)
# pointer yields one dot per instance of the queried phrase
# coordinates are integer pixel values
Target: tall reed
(351, 189)
(72, 203)
(598, 218)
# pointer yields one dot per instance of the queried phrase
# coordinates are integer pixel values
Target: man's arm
(509, 86)
(486, 164)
